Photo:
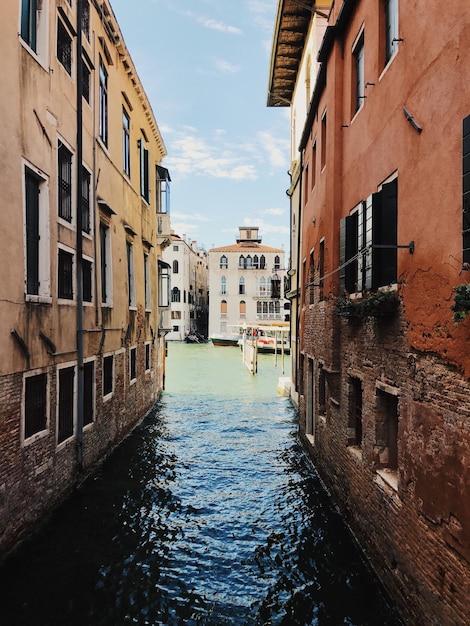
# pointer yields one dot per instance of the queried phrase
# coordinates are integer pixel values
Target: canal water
(208, 513)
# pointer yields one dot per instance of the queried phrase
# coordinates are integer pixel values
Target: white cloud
(190, 216)
(220, 26)
(273, 212)
(277, 148)
(226, 67)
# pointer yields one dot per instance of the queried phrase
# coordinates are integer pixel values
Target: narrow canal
(208, 513)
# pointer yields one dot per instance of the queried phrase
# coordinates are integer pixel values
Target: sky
(204, 65)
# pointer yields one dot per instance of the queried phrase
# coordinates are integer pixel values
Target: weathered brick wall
(36, 477)
(417, 536)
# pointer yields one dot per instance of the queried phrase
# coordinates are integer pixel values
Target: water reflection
(209, 513)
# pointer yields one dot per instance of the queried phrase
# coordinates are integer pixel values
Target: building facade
(189, 267)
(383, 258)
(85, 293)
(241, 285)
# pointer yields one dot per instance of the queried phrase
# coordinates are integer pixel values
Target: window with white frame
(223, 262)
(223, 285)
(144, 170)
(132, 364)
(64, 182)
(86, 189)
(87, 279)
(108, 376)
(130, 273)
(66, 403)
(37, 266)
(147, 282)
(162, 189)
(65, 266)
(88, 392)
(103, 103)
(64, 47)
(35, 404)
(391, 28)
(241, 285)
(33, 27)
(368, 242)
(126, 142)
(358, 74)
(164, 285)
(105, 265)
(175, 295)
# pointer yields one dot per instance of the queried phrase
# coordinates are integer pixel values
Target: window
(130, 273)
(108, 375)
(147, 282)
(223, 285)
(36, 234)
(175, 295)
(262, 286)
(164, 284)
(86, 19)
(321, 270)
(386, 444)
(175, 248)
(311, 279)
(262, 262)
(355, 412)
(223, 262)
(368, 240)
(241, 262)
(176, 315)
(126, 144)
(65, 182)
(277, 262)
(314, 163)
(255, 262)
(65, 409)
(88, 392)
(105, 262)
(35, 404)
(305, 184)
(391, 28)
(175, 267)
(268, 309)
(358, 74)
(466, 190)
(64, 47)
(249, 262)
(103, 104)
(29, 10)
(148, 354)
(242, 308)
(241, 285)
(65, 275)
(223, 308)
(86, 221)
(162, 191)
(133, 364)
(87, 278)
(144, 170)
(323, 141)
(86, 82)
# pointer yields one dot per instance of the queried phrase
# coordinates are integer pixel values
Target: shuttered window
(32, 233)
(66, 403)
(64, 158)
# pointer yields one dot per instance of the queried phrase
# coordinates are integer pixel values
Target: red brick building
(383, 255)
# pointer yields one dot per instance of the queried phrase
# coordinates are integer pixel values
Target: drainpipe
(79, 259)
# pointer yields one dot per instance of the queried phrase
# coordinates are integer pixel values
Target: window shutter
(466, 190)
(348, 249)
(384, 260)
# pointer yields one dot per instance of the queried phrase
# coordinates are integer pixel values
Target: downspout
(79, 256)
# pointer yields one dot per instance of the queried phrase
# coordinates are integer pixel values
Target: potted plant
(461, 306)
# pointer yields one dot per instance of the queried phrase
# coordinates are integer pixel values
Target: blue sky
(204, 65)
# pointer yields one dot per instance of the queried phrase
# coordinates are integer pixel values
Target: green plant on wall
(377, 304)
(461, 306)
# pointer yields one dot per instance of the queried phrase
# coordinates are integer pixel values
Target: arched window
(223, 307)
(223, 262)
(255, 261)
(241, 261)
(268, 286)
(262, 262)
(277, 262)
(223, 285)
(241, 286)
(175, 266)
(242, 308)
(262, 286)
(175, 294)
(248, 261)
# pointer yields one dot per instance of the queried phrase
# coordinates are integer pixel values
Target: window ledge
(108, 396)
(387, 480)
(355, 452)
(38, 299)
(310, 439)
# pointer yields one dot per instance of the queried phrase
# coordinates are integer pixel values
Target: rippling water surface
(208, 513)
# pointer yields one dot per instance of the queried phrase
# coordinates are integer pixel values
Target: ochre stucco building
(383, 252)
(83, 289)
